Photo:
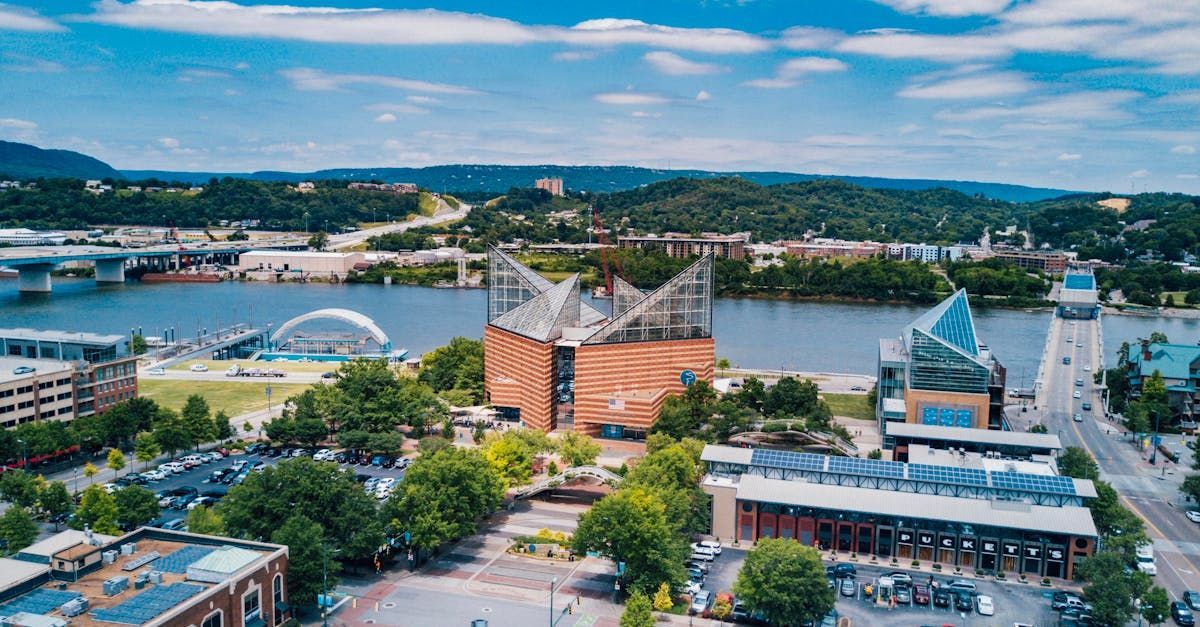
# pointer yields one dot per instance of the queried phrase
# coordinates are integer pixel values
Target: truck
(238, 371)
(1145, 559)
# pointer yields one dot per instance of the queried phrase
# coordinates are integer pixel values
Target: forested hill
(500, 178)
(23, 161)
(830, 208)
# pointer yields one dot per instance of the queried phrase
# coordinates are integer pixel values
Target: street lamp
(24, 456)
(1154, 440)
(553, 581)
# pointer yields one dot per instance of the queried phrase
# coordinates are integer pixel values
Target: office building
(939, 373)
(104, 370)
(683, 246)
(149, 577)
(35, 389)
(955, 509)
(901, 437)
(1050, 262)
(552, 360)
(554, 185)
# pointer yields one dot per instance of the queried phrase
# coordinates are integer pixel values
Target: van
(172, 467)
(962, 585)
(191, 461)
(707, 552)
(1145, 559)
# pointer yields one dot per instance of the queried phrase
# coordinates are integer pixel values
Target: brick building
(554, 185)
(552, 360)
(677, 245)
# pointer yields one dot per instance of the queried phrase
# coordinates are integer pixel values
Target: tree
(355, 440)
(221, 422)
(145, 448)
(206, 520)
(431, 444)
(1191, 487)
(136, 506)
(319, 240)
(448, 429)
(137, 344)
(1077, 463)
(637, 611)
(722, 608)
(17, 529)
(197, 420)
(577, 449)
(55, 500)
(632, 526)
(1158, 337)
(1110, 589)
(1154, 389)
(510, 456)
(785, 581)
(662, 598)
(322, 492)
(90, 471)
(116, 460)
(20, 487)
(170, 432)
(723, 363)
(455, 366)
(387, 443)
(309, 561)
(441, 497)
(98, 511)
(1155, 606)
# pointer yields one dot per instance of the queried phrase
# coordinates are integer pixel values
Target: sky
(1100, 95)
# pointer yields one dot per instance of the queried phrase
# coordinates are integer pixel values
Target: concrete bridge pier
(110, 270)
(34, 278)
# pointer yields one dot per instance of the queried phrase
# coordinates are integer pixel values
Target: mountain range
(27, 161)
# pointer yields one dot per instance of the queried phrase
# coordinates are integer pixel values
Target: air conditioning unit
(128, 548)
(115, 586)
(108, 557)
(156, 576)
(75, 607)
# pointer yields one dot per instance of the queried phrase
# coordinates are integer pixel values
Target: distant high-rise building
(552, 185)
(682, 246)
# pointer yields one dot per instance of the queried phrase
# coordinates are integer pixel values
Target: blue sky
(1078, 94)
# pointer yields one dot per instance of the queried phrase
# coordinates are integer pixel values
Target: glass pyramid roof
(951, 322)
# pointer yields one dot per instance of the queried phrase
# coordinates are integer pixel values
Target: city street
(1151, 492)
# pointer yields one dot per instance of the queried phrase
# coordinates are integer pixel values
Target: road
(211, 375)
(1151, 492)
(442, 215)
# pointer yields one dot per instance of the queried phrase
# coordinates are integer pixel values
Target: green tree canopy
(197, 420)
(577, 449)
(55, 500)
(455, 366)
(17, 529)
(136, 506)
(1110, 589)
(637, 611)
(310, 563)
(632, 525)
(206, 520)
(785, 581)
(1078, 463)
(146, 448)
(97, 510)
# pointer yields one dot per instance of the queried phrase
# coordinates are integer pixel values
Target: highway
(444, 214)
(1147, 490)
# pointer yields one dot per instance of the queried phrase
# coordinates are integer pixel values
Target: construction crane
(608, 255)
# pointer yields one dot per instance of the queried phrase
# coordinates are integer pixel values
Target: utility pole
(553, 581)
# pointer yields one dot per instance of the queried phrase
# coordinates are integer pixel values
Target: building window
(212, 620)
(278, 590)
(251, 605)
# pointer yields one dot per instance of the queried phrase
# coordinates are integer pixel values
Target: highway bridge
(34, 263)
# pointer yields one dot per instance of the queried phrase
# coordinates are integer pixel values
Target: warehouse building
(954, 509)
(551, 359)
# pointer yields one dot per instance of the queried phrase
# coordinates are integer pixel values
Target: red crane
(608, 254)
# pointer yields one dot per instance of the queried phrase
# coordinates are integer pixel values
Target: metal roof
(982, 436)
(543, 317)
(65, 540)
(1013, 515)
(53, 335)
(1172, 360)
(14, 572)
(226, 560)
(950, 321)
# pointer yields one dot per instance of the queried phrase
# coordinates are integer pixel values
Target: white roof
(221, 564)
(42, 367)
(1069, 520)
(64, 540)
(14, 572)
(982, 436)
(299, 253)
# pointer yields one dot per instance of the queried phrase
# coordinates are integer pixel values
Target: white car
(1087, 368)
(198, 368)
(110, 487)
(715, 547)
(238, 465)
(691, 588)
(1077, 394)
(386, 482)
(203, 501)
(154, 475)
(215, 455)
(323, 455)
(983, 605)
(172, 467)
(383, 493)
(158, 372)
(1193, 515)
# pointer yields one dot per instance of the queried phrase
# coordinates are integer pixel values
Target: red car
(921, 594)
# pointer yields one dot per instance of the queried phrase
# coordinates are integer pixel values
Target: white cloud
(629, 98)
(18, 124)
(570, 56)
(1187, 177)
(789, 73)
(809, 38)
(168, 142)
(908, 129)
(672, 64)
(405, 27)
(31, 65)
(392, 108)
(1095, 105)
(22, 19)
(309, 79)
(194, 74)
(1139, 174)
(386, 118)
(948, 8)
(242, 66)
(645, 114)
(1139, 11)
(703, 96)
(232, 92)
(1183, 149)
(1070, 156)
(991, 85)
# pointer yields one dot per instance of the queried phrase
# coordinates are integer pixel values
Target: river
(753, 333)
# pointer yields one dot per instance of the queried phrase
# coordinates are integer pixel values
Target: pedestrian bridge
(567, 476)
(34, 263)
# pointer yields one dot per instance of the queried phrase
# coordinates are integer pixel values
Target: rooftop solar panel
(39, 601)
(866, 467)
(789, 460)
(1025, 482)
(143, 607)
(947, 474)
(178, 561)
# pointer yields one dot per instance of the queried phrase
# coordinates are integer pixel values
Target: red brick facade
(519, 372)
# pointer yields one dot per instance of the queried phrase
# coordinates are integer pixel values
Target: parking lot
(197, 478)
(1013, 602)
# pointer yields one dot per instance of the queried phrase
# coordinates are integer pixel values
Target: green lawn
(233, 397)
(286, 366)
(850, 405)
(1178, 296)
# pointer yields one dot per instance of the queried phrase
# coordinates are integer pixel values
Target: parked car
(700, 564)
(708, 553)
(183, 501)
(700, 603)
(903, 594)
(849, 587)
(1076, 394)
(217, 475)
(179, 524)
(200, 501)
(157, 372)
(964, 585)
(900, 577)
(172, 467)
(920, 594)
(844, 570)
(1086, 406)
(1193, 515)
(1182, 615)
(1192, 598)
(403, 463)
(154, 475)
(255, 448)
(323, 455)
(715, 547)
(941, 597)
(198, 368)
(1063, 599)
(692, 587)
(191, 461)
(963, 601)
(377, 460)
(983, 605)
(300, 452)
(217, 455)
(1077, 417)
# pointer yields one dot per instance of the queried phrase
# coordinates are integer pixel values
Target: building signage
(989, 546)
(1033, 551)
(904, 536)
(966, 543)
(947, 542)
(924, 538)
(1012, 549)
(687, 377)
(1054, 554)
